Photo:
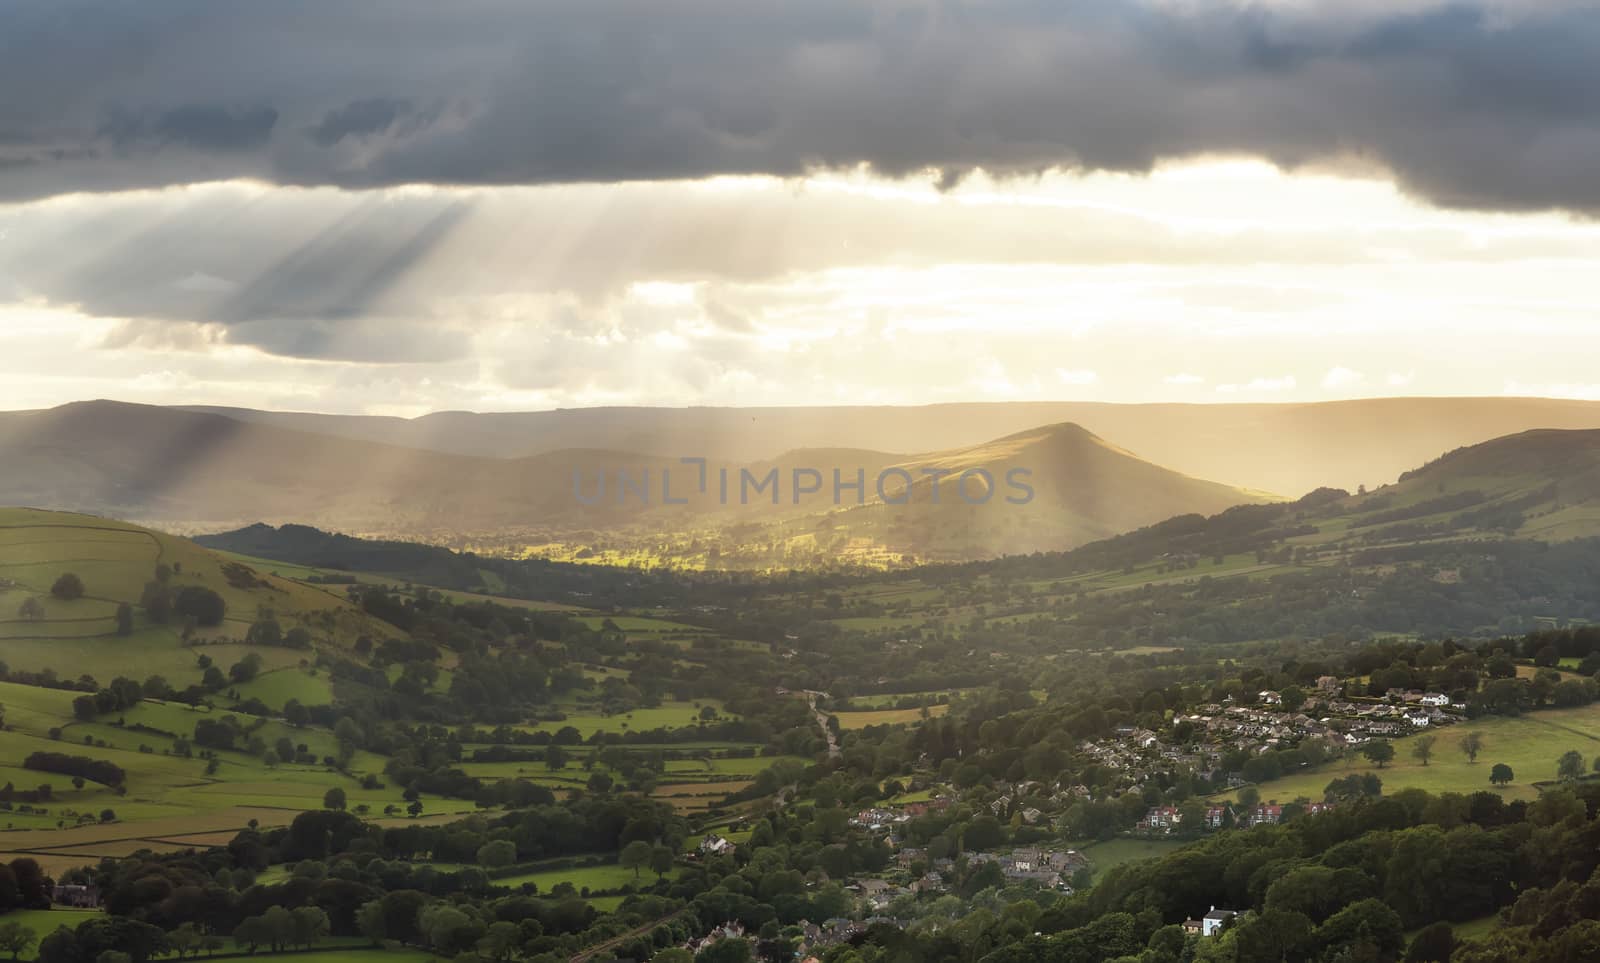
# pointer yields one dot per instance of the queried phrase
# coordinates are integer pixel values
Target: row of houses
(1162, 820)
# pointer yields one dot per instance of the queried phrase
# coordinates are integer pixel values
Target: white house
(1215, 920)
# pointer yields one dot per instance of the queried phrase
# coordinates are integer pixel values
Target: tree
(307, 925)
(124, 619)
(1422, 748)
(661, 860)
(554, 757)
(372, 922)
(1379, 751)
(156, 601)
(635, 856)
(68, 588)
(252, 932)
(1570, 766)
(16, 938)
(1293, 698)
(205, 606)
(497, 853)
(31, 610)
(501, 940)
(185, 939)
(1433, 945)
(1471, 744)
(415, 809)
(1501, 774)
(334, 799)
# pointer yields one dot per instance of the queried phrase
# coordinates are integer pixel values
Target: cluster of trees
(161, 602)
(353, 878)
(94, 770)
(23, 885)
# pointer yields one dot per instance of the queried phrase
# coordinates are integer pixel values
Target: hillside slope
(115, 561)
(1286, 448)
(198, 471)
(1054, 487)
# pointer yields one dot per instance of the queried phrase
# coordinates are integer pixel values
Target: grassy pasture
(115, 560)
(888, 700)
(1114, 852)
(44, 922)
(670, 714)
(886, 717)
(605, 876)
(1529, 744)
(308, 686)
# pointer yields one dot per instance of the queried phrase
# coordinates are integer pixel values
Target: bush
(203, 605)
(68, 587)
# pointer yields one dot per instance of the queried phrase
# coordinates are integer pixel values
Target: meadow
(115, 560)
(1530, 744)
(886, 717)
(606, 876)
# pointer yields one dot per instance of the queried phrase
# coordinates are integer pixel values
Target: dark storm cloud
(357, 119)
(1492, 105)
(203, 127)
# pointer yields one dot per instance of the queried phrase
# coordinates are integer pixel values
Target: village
(1132, 758)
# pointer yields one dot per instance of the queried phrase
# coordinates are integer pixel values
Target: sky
(512, 206)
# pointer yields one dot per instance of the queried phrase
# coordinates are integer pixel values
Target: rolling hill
(198, 471)
(115, 561)
(1286, 448)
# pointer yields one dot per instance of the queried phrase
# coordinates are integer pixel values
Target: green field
(669, 715)
(45, 922)
(1114, 852)
(608, 876)
(1529, 744)
(886, 717)
(307, 686)
(115, 560)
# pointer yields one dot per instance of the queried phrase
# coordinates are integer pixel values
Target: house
(1266, 815)
(78, 897)
(1213, 922)
(1269, 697)
(1328, 683)
(1418, 718)
(1193, 926)
(714, 845)
(1217, 815)
(727, 931)
(1437, 700)
(1160, 819)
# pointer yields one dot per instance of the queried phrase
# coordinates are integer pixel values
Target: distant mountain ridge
(201, 471)
(1285, 448)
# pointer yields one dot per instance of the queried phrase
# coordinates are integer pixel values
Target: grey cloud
(1477, 104)
(358, 118)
